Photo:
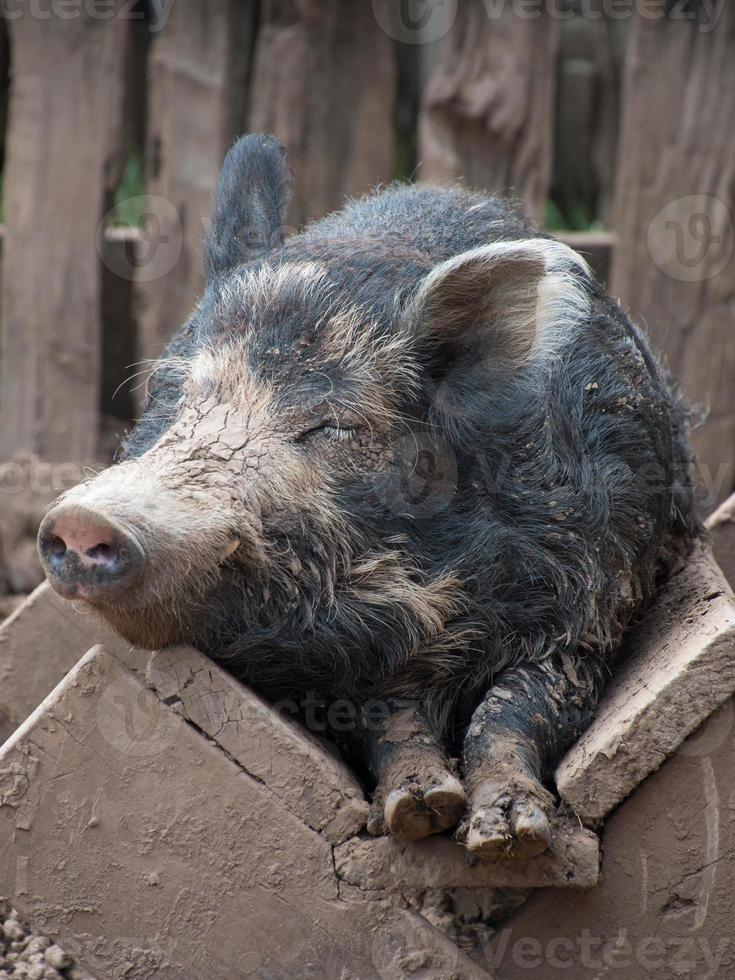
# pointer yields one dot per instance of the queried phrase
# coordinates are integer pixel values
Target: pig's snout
(88, 555)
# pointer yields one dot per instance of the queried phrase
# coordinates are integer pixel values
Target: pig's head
(256, 506)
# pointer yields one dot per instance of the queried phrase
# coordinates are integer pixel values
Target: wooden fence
(623, 122)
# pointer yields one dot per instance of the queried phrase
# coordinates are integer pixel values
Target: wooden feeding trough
(158, 819)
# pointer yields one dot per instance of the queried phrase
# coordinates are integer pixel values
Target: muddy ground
(33, 956)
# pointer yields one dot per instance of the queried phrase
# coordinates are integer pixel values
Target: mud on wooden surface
(305, 776)
(184, 864)
(39, 644)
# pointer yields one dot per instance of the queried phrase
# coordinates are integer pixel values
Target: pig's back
(438, 222)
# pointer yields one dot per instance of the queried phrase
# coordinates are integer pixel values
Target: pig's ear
(500, 302)
(254, 193)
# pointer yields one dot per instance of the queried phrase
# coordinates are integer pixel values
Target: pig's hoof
(411, 812)
(509, 819)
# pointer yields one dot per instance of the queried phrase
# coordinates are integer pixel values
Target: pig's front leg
(516, 736)
(417, 793)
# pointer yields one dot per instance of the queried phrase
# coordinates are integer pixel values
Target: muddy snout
(87, 554)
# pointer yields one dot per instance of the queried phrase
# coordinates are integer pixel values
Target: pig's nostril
(55, 546)
(105, 554)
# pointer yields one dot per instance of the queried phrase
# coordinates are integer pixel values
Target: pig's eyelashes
(328, 430)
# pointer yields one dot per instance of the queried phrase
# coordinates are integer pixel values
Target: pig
(412, 464)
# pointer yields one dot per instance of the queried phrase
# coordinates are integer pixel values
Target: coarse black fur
(571, 495)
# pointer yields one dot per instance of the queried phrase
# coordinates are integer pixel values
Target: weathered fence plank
(325, 84)
(199, 65)
(674, 265)
(488, 108)
(63, 160)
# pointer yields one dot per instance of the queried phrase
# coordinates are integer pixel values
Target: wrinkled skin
(413, 456)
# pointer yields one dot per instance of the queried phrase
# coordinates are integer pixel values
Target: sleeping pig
(412, 460)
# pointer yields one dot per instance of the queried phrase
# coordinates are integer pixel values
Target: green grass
(129, 202)
(578, 219)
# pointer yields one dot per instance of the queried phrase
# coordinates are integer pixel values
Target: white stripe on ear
(511, 298)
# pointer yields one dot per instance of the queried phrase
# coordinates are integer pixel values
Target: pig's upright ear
(500, 302)
(254, 192)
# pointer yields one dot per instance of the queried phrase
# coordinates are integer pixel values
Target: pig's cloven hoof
(509, 819)
(411, 811)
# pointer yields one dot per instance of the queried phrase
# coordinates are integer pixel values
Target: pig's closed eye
(328, 430)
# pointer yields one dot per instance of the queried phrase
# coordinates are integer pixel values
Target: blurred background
(611, 120)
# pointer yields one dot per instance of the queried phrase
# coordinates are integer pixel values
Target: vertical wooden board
(325, 84)
(4, 83)
(63, 160)
(199, 66)
(487, 111)
(673, 268)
